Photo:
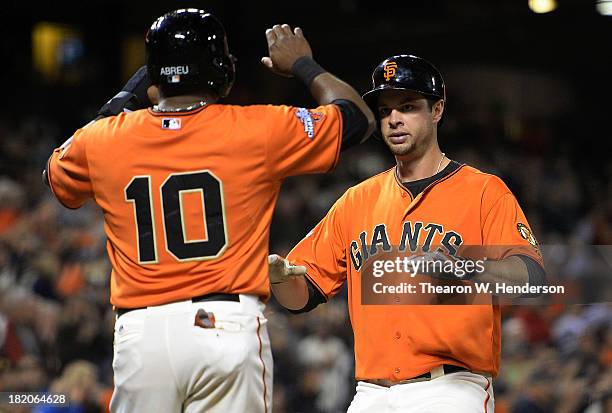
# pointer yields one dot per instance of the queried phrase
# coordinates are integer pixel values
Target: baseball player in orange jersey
(187, 189)
(415, 358)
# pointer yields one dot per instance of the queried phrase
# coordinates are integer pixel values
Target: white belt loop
(437, 372)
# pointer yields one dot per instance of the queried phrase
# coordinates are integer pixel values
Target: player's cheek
(384, 129)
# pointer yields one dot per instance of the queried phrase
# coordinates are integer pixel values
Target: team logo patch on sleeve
(526, 234)
(309, 119)
(171, 123)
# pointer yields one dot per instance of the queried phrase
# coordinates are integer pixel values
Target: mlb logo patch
(171, 123)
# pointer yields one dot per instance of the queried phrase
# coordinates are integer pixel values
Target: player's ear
(437, 109)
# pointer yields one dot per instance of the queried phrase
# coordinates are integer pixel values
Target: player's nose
(395, 118)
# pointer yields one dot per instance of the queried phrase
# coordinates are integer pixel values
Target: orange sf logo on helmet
(390, 70)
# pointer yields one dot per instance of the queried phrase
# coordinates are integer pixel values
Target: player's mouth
(398, 137)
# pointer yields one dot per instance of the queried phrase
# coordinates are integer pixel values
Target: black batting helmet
(188, 48)
(405, 72)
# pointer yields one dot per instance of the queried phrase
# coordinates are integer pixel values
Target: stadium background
(528, 100)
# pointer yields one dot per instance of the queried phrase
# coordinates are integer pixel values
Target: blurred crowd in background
(56, 323)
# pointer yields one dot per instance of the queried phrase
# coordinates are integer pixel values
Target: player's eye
(406, 108)
(384, 112)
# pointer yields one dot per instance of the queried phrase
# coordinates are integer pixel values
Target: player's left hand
(136, 94)
(443, 266)
(285, 47)
(280, 271)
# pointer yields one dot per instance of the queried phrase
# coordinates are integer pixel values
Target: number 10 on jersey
(141, 195)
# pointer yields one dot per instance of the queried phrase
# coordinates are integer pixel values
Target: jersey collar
(451, 169)
(421, 185)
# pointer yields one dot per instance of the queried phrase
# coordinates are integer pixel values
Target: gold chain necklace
(440, 164)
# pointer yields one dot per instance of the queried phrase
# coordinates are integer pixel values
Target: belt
(205, 297)
(433, 374)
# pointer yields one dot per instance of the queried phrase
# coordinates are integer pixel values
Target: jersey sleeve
(505, 229)
(68, 172)
(323, 253)
(303, 141)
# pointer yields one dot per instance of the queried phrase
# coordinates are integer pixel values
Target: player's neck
(432, 162)
(184, 101)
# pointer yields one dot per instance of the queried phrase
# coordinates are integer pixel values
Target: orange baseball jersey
(188, 196)
(463, 206)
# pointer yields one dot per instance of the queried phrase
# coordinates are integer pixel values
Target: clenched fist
(285, 47)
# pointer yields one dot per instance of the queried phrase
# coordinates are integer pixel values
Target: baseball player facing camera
(415, 358)
(188, 188)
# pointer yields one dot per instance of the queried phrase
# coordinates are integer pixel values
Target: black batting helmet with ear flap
(188, 47)
(405, 72)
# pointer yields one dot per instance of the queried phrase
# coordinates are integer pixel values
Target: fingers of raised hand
(270, 36)
(278, 30)
(287, 30)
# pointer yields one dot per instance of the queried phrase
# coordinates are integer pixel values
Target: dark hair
(431, 101)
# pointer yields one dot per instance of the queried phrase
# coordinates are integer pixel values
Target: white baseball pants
(164, 363)
(461, 392)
